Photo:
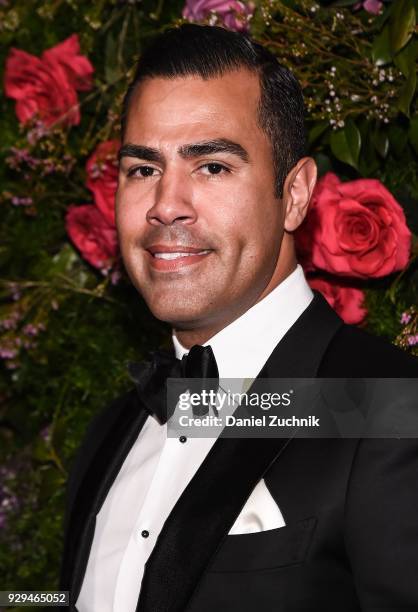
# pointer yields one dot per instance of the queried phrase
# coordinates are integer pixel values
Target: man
(213, 183)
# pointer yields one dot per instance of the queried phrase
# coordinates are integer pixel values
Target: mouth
(172, 258)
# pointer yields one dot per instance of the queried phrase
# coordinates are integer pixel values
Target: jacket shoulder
(353, 352)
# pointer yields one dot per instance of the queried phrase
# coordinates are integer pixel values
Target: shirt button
(183, 439)
(144, 533)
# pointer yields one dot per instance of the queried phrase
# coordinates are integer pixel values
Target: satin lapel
(94, 487)
(208, 507)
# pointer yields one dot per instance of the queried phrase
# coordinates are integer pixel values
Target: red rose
(102, 172)
(92, 235)
(78, 68)
(346, 301)
(47, 87)
(353, 229)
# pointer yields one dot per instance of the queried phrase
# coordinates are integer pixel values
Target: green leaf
(380, 141)
(406, 59)
(413, 133)
(406, 93)
(346, 144)
(381, 52)
(41, 451)
(323, 163)
(112, 72)
(398, 138)
(368, 161)
(59, 432)
(63, 261)
(316, 131)
(380, 20)
(51, 482)
(401, 24)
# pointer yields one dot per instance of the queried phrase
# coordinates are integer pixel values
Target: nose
(172, 201)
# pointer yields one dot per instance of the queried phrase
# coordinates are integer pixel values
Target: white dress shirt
(158, 468)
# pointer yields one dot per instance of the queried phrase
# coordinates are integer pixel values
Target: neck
(201, 334)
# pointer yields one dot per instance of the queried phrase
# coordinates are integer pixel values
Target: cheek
(130, 213)
(252, 226)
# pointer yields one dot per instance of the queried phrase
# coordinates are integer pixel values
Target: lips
(176, 255)
(173, 257)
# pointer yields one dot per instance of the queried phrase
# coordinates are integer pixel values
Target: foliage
(68, 329)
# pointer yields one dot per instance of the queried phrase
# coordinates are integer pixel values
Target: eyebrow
(147, 153)
(208, 147)
(187, 151)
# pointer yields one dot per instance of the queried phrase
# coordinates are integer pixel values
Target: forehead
(193, 107)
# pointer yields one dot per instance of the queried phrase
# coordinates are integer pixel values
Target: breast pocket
(265, 550)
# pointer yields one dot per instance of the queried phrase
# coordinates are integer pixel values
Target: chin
(176, 314)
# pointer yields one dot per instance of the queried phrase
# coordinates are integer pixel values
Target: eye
(141, 171)
(214, 168)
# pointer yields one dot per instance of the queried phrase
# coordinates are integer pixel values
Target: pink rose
(346, 301)
(47, 87)
(353, 229)
(371, 6)
(235, 15)
(93, 236)
(102, 173)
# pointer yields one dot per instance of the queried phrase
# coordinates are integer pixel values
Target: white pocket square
(260, 513)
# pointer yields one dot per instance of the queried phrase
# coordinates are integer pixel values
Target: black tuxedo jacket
(350, 505)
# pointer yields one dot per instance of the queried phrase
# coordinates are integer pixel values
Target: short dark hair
(210, 51)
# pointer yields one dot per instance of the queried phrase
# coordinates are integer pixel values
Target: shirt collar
(242, 348)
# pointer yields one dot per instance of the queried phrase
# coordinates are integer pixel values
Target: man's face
(198, 222)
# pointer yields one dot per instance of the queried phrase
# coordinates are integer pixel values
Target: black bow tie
(150, 378)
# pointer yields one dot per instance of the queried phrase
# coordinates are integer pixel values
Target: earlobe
(297, 192)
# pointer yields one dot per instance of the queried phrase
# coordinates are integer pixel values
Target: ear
(297, 192)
